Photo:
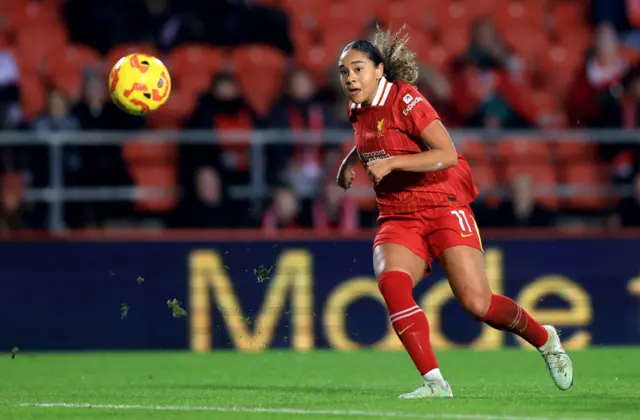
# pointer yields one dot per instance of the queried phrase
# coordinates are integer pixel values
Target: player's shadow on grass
(278, 388)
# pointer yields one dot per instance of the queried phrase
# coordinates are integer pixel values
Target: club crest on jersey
(381, 128)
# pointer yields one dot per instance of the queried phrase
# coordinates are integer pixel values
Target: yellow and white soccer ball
(139, 84)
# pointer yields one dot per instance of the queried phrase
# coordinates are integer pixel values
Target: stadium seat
(485, 176)
(591, 179)
(69, 82)
(522, 149)
(475, 150)
(122, 50)
(396, 13)
(152, 165)
(575, 150)
(339, 14)
(304, 12)
(73, 56)
(32, 94)
(6, 6)
(34, 44)
(173, 114)
(260, 72)
(26, 14)
(545, 177)
(192, 66)
(566, 14)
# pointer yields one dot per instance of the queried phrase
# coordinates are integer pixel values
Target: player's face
(359, 76)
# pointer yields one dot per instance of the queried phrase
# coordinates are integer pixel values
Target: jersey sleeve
(414, 112)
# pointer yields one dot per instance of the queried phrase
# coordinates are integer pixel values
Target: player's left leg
(457, 247)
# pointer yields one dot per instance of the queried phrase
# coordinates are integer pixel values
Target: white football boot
(558, 362)
(430, 389)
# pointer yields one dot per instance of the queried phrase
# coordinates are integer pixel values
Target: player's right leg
(400, 260)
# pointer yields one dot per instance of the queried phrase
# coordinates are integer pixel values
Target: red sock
(407, 319)
(506, 315)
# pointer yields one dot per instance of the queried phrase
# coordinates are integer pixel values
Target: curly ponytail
(400, 62)
(390, 50)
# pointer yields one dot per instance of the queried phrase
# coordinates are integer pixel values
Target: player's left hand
(378, 169)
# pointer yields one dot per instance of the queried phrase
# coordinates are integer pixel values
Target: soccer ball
(139, 84)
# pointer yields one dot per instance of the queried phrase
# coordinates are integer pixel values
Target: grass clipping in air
(176, 308)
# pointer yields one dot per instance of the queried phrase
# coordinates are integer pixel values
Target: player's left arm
(441, 154)
(418, 119)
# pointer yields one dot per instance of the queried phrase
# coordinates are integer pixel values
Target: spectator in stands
(333, 209)
(285, 212)
(12, 215)
(205, 204)
(628, 214)
(9, 91)
(96, 111)
(301, 107)
(519, 209)
(488, 50)
(486, 99)
(222, 108)
(259, 24)
(593, 99)
(57, 116)
(105, 163)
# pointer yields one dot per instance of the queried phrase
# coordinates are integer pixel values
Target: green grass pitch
(488, 385)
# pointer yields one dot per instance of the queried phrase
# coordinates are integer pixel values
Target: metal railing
(57, 193)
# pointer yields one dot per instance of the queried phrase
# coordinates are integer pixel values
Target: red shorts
(429, 232)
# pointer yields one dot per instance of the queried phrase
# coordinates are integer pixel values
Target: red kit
(425, 212)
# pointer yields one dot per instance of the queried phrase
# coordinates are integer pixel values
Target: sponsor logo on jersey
(380, 128)
(411, 105)
(407, 99)
(375, 155)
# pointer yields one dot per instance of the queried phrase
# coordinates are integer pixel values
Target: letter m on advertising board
(209, 283)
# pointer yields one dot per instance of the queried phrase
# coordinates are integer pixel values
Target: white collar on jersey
(384, 87)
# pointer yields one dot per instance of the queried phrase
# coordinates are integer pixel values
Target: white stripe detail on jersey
(397, 314)
(352, 106)
(386, 93)
(382, 84)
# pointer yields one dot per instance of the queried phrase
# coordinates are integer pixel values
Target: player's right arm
(346, 174)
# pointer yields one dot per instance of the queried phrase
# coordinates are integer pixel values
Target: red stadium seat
(69, 82)
(575, 150)
(73, 56)
(566, 14)
(260, 73)
(591, 178)
(485, 177)
(32, 94)
(545, 177)
(522, 149)
(192, 66)
(174, 112)
(396, 13)
(475, 150)
(154, 165)
(122, 50)
(26, 14)
(35, 43)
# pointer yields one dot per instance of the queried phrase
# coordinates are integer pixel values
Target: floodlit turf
(508, 384)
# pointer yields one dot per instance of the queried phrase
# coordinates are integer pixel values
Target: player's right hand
(345, 178)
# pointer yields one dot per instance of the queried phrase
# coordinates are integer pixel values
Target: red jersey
(391, 126)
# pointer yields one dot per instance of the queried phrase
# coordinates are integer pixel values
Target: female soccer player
(423, 190)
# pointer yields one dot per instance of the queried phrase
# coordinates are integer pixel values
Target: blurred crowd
(495, 80)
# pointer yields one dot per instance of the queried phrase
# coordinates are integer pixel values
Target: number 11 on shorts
(463, 220)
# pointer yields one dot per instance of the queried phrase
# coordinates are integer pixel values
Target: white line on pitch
(299, 411)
